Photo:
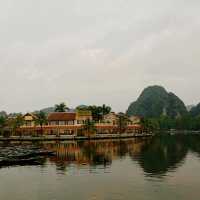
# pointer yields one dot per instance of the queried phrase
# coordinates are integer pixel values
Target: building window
(61, 122)
(53, 123)
(28, 123)
(70, 122)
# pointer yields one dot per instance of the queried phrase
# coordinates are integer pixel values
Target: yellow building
(29, 119)
(82, 116)
(110, 118)
(134, 120)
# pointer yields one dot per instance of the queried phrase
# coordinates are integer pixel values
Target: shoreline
(74, 138)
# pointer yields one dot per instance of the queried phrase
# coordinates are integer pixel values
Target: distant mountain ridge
(51, 109)
(195, 111)
(46, 110)
(189, 107)
(155, 101)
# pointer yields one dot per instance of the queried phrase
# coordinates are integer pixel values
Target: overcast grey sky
(96, 51)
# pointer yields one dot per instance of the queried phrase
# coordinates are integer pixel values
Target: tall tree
(41, 120)
(61, 107)
(99, 111)
(106, 109)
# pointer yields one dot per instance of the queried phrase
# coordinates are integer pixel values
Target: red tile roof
(61, 116)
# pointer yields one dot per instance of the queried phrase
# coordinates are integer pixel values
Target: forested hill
(156, 101)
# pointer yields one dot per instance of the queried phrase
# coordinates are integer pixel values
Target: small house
(29, 119)
(111, 118)
(134, 120)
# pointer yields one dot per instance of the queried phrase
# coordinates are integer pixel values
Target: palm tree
(99, 111)
(41, 120)
(106, 109)
(95, 112)
(89, 127)
(61, 107)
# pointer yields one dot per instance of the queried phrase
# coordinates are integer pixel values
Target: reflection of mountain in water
(156, 156)
(163, 154)
(193, 143)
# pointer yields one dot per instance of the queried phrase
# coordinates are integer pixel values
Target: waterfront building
(29, 119)
(64, 121)
(134, 120)
(72, 123)
(82, 116)
(62, 118)
(111, 118)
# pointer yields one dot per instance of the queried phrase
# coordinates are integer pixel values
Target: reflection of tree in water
(93, 153)
(193, 143)
(163, 154)
(156, 155)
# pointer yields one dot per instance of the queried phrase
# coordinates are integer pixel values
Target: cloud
(96, 52)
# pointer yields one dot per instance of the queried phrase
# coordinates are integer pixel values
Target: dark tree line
(186, 122)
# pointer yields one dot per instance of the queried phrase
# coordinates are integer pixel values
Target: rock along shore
(22, 155)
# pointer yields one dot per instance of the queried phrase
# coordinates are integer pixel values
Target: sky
(95, 52)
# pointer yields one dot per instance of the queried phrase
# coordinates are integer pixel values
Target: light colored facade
(71, 123)
(69, 118)
(134, 120)
(82, 116)
(111, 118)
(29, 119)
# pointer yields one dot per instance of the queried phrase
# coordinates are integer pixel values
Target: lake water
(159, 168)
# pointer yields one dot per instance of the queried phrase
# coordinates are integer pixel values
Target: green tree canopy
(99, 111)
(61, 107)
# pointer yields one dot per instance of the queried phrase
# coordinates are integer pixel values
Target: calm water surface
(164, 167)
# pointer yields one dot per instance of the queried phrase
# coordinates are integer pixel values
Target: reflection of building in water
(94, 152)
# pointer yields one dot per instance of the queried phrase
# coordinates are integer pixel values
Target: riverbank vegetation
(186, 122)
(164, 110)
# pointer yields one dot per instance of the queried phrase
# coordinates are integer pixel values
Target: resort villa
(111, 118)
(61, 118)
(29, 119)
(82, 116)
(134, 120)
(71, 123)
